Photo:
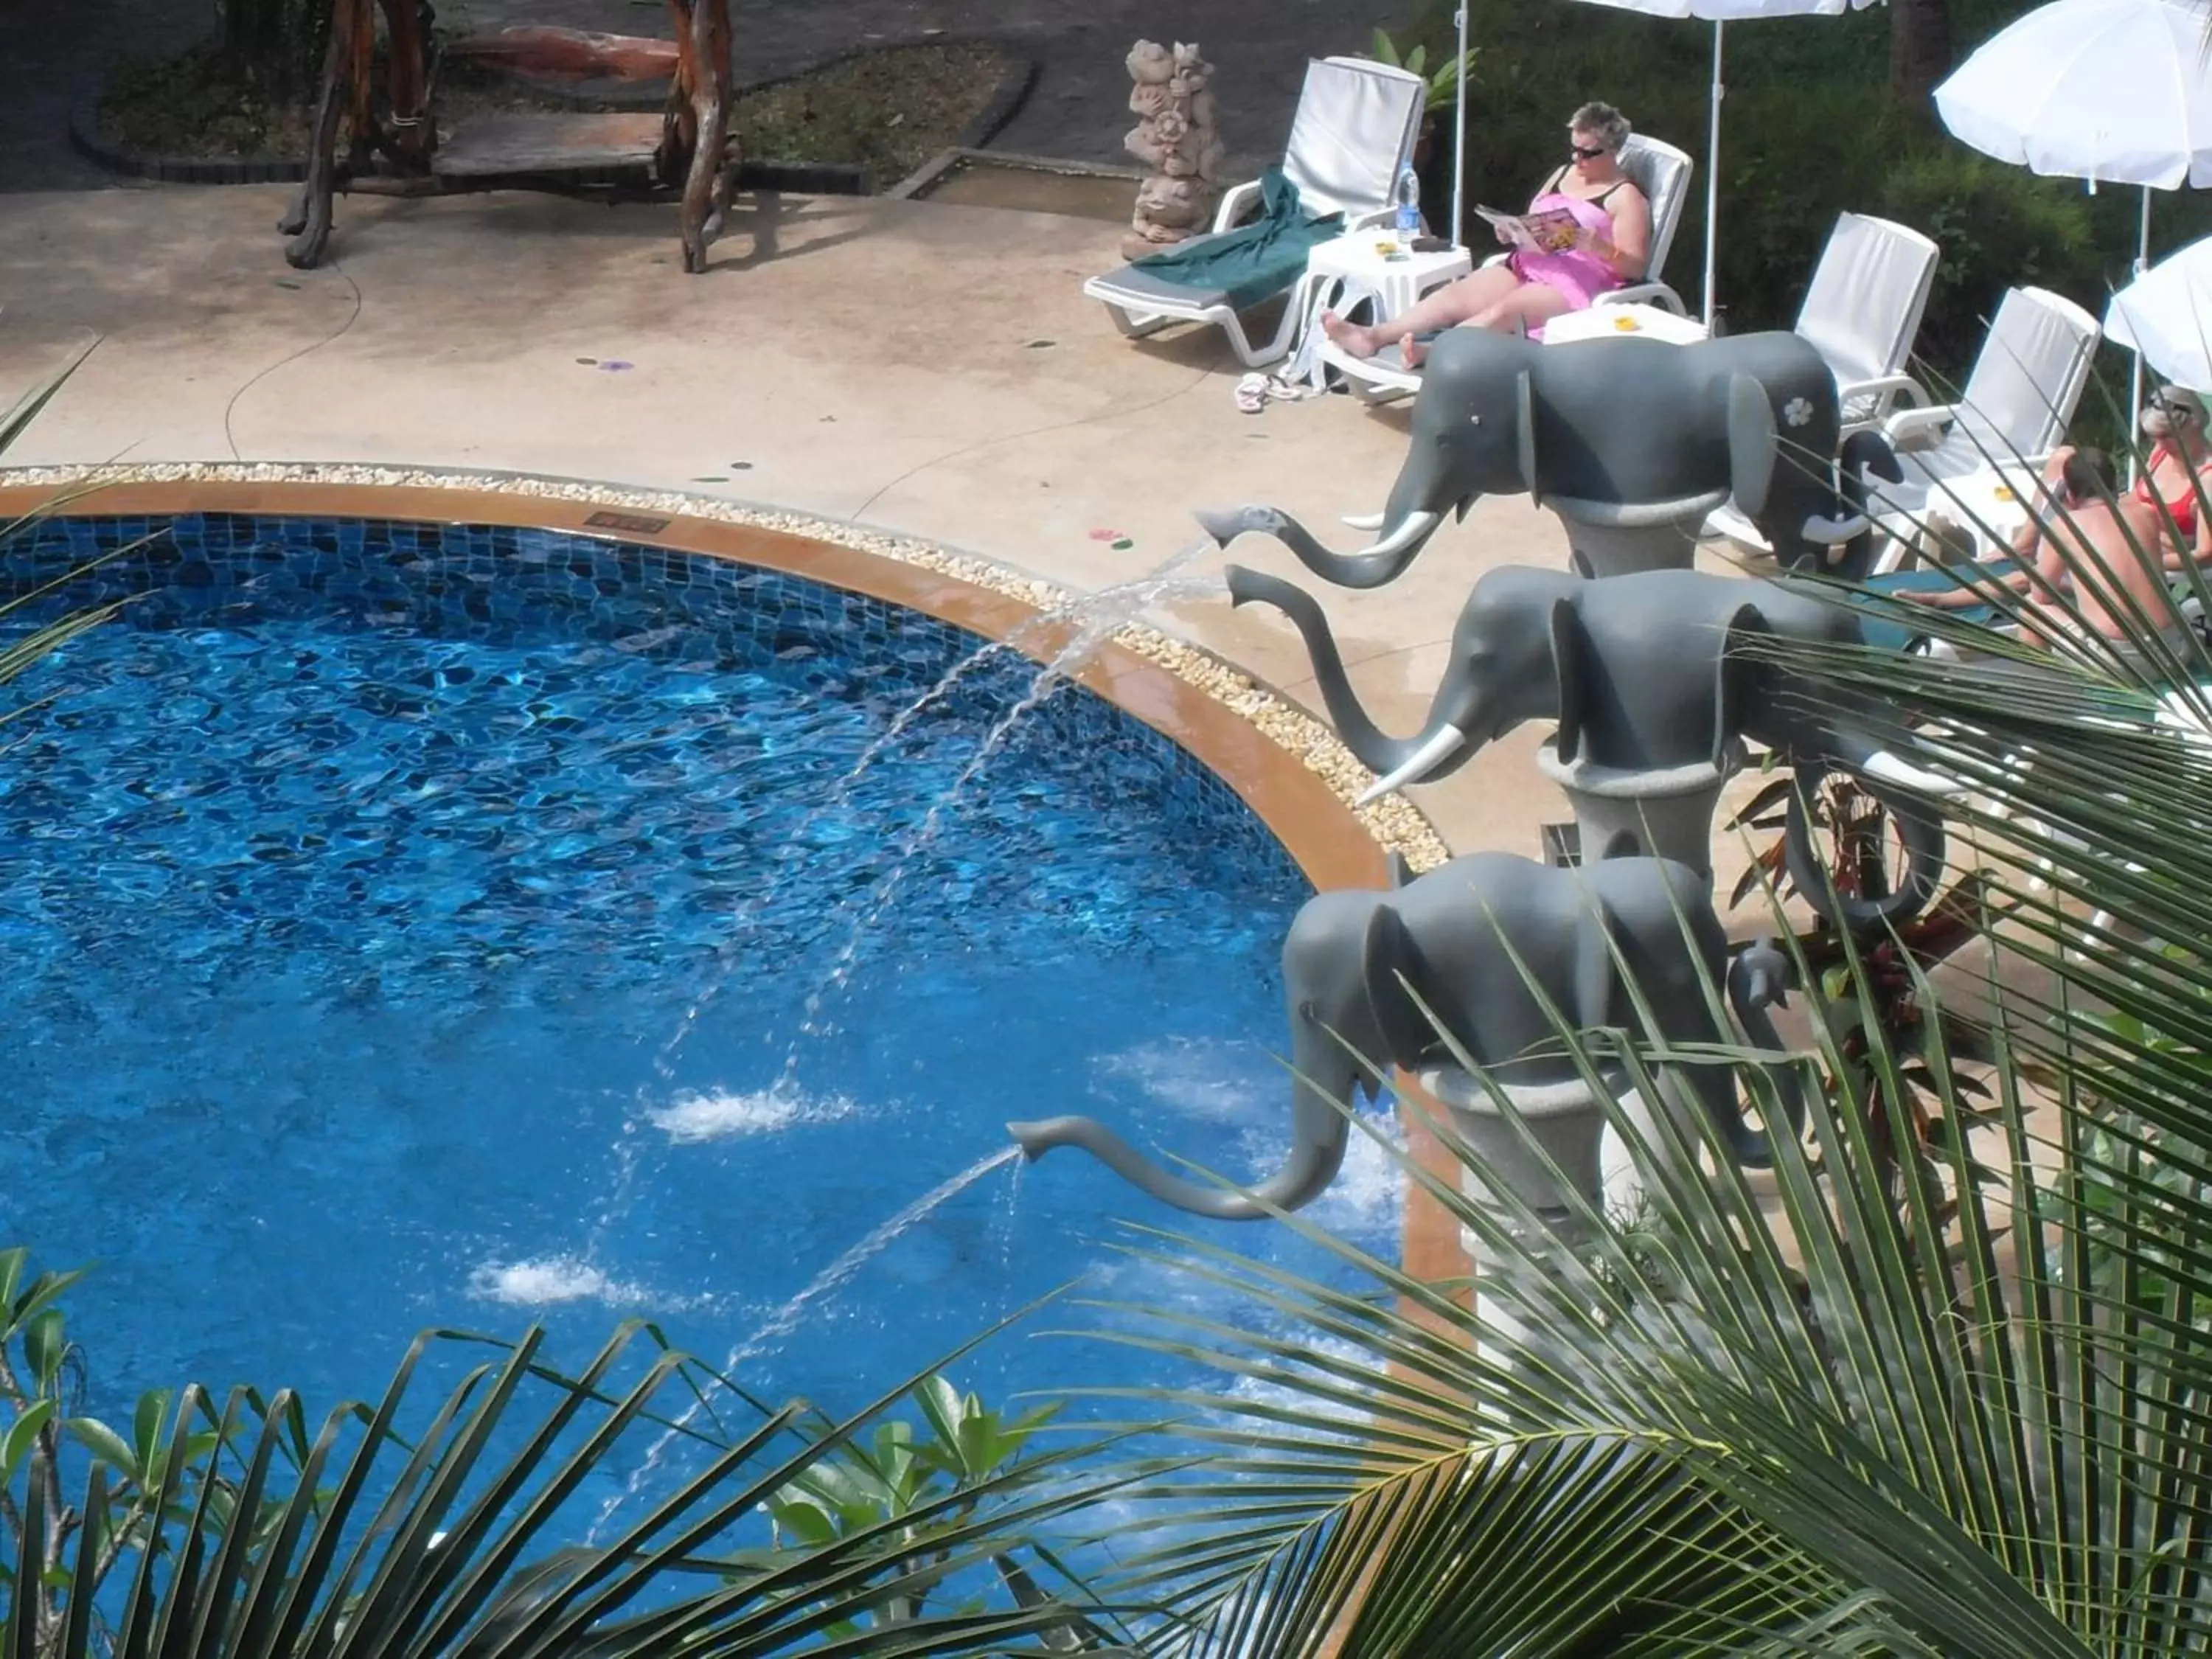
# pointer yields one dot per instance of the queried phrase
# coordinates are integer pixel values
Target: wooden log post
(344, 65)
(361, 102)
(407, 83)
(695, 138)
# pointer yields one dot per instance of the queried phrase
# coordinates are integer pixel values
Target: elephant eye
(1475, 420)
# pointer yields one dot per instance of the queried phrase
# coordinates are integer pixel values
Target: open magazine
(1551, 231)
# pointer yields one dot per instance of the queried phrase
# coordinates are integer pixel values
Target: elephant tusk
(1411, 530)
(1885, 768)
(1834, 533)
(1363, 520)
(1425, 759)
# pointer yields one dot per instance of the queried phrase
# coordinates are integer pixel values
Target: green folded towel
(1928, 579)
(1252, 262)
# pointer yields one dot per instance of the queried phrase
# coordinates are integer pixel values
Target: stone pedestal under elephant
(1631, 442)
(1474, 942)
(1645, 672)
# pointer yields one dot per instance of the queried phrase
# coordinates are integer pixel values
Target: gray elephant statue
(1660, 669)
(1632, 442)
(1358, 968)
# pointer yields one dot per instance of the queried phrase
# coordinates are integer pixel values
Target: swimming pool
(420, 925)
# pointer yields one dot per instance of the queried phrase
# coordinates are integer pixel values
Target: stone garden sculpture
(1175, 137)
(1647, 673)
(1632, 442)
(1355, 962)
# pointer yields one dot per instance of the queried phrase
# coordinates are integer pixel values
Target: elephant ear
(1751, 445)
(1524, 434)
(1567, 667)
(1732, 677)
(1391, 965)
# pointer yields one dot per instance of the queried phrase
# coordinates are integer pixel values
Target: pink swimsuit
(1580, 277)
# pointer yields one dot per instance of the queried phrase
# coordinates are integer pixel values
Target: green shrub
(1808, 130)
(1999, 227)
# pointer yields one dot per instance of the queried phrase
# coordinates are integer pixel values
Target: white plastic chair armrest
(1234, 201)
(1497, 259)
(1902, 389)
(1643, 294)
(1378, 219)
(1918, 428)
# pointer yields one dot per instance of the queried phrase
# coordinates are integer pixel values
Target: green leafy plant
(438, 1529)
(1997, 227)
(904, 1471)
(1868, 989)
(60, 1554)
(1444, 80)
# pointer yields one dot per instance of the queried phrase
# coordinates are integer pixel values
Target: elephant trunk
(1759, 978)
(1440, 746)
(1326, 1075)
(1404, 533)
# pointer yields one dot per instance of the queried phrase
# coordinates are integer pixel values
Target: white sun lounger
(1863, 311)
(1352, 135)
(2018, 401)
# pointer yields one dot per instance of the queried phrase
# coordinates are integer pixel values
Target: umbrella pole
(1713, 176)
(1459, 138)
(2135, 379)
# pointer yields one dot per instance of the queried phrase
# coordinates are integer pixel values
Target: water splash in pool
(1099, 623)
(786, 1318)
(1097, 616)
(717, 1116)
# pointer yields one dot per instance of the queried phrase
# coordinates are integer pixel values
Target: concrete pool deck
(916, 368)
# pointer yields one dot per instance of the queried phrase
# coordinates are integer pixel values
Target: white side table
(1990, 503)
(1396, 283)
(1604, 322)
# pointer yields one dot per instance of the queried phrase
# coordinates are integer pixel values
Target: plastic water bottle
(1406, 194)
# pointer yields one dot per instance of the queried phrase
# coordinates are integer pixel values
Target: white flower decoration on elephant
(1798, 411)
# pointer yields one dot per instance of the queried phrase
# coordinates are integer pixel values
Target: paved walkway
(56, 51)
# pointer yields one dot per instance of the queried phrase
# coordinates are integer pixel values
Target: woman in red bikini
(1611, 244)
(2163, 507)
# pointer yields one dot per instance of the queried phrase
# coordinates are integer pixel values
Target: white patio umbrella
(2165, 316)
(1719, 13)
(2113, 91)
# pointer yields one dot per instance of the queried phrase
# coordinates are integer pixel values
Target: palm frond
(411, 1538)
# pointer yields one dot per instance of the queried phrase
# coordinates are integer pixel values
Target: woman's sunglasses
(1587, 152)
(2177, 405)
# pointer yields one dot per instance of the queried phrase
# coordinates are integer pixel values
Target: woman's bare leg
(1526, 307)
(1531, 305)
(1452, 304)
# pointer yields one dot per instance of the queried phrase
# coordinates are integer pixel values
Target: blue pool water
(411, 927)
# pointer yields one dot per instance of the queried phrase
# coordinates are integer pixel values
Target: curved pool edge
(1288, 768)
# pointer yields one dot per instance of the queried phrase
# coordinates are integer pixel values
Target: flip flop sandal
(1287, 392)
(1252, 394)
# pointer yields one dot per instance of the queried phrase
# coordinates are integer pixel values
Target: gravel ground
(889, 111)
(59, 51)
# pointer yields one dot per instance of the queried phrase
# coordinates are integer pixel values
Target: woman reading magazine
(1588, 230)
